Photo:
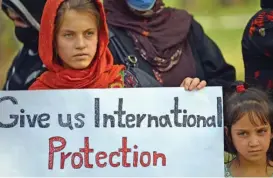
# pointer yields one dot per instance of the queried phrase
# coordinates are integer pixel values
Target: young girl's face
(77, 39)
(251, 141)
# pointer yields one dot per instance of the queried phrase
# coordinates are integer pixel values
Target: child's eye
(89, 33)
(68, 35)
(262, 131)
(242, 134)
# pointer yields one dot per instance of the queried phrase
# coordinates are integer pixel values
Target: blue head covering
(141, 5)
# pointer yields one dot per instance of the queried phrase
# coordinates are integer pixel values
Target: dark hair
(77, 5)
(240, 99)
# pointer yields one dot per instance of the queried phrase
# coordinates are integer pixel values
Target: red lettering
(124, 150)
(86, 150)
(53, 149)
(63, 158)
(135, 161)
(142, 159)
(112, 154)
(78, 159)
(99, 156)
(159, 155)
(79, 165)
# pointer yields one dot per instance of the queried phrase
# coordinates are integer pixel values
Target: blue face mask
(141, 5)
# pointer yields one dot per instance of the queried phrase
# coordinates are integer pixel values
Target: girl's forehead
(251, 121)
(74, 20)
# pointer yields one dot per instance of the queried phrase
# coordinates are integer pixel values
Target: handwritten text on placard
(129, 153)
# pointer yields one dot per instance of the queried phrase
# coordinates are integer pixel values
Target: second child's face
(251, 141)
(77, 39)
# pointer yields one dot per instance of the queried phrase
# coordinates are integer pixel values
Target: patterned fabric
(257, 49)
(165, 48)
(227, 171)
(119, 82)
(130, 80)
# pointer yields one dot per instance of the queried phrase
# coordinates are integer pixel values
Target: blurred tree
(226, 2)
(8, 46)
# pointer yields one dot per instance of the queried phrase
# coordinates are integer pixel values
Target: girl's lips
(254, 151)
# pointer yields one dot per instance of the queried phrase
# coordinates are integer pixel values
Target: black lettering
(140, 118)
(199, 119)
(15, 117)
(120, 113)
(68, 123)
(130, 118)
(219, 112)
(108, 117)
(211, 121)
(135, 120)
(79, 117)
(29, 119)
(9, 98)
(22, 118)
(43, 118)
(185, 118)
(97, 112)
(191, 117)
(166, 120)
(176, 112)
(13, 124)
(152, 118)
(32, 121)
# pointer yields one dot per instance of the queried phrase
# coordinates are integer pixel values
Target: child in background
(73, 46)
(248, 132)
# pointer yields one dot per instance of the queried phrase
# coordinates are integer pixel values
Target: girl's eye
(242, 134)
(262, 131)
(89, 33)
(68, 35)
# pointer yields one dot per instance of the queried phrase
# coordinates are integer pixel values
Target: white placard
(144, 132)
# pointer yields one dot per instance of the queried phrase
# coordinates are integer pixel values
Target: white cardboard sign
(145, 132)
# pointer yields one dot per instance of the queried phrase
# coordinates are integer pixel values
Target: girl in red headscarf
(73, 46)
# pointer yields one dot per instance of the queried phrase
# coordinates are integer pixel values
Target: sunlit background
(222, 20)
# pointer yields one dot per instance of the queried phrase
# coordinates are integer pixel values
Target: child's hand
(193, 83)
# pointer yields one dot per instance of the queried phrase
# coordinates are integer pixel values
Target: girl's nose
(80, 43)
(254, 141)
